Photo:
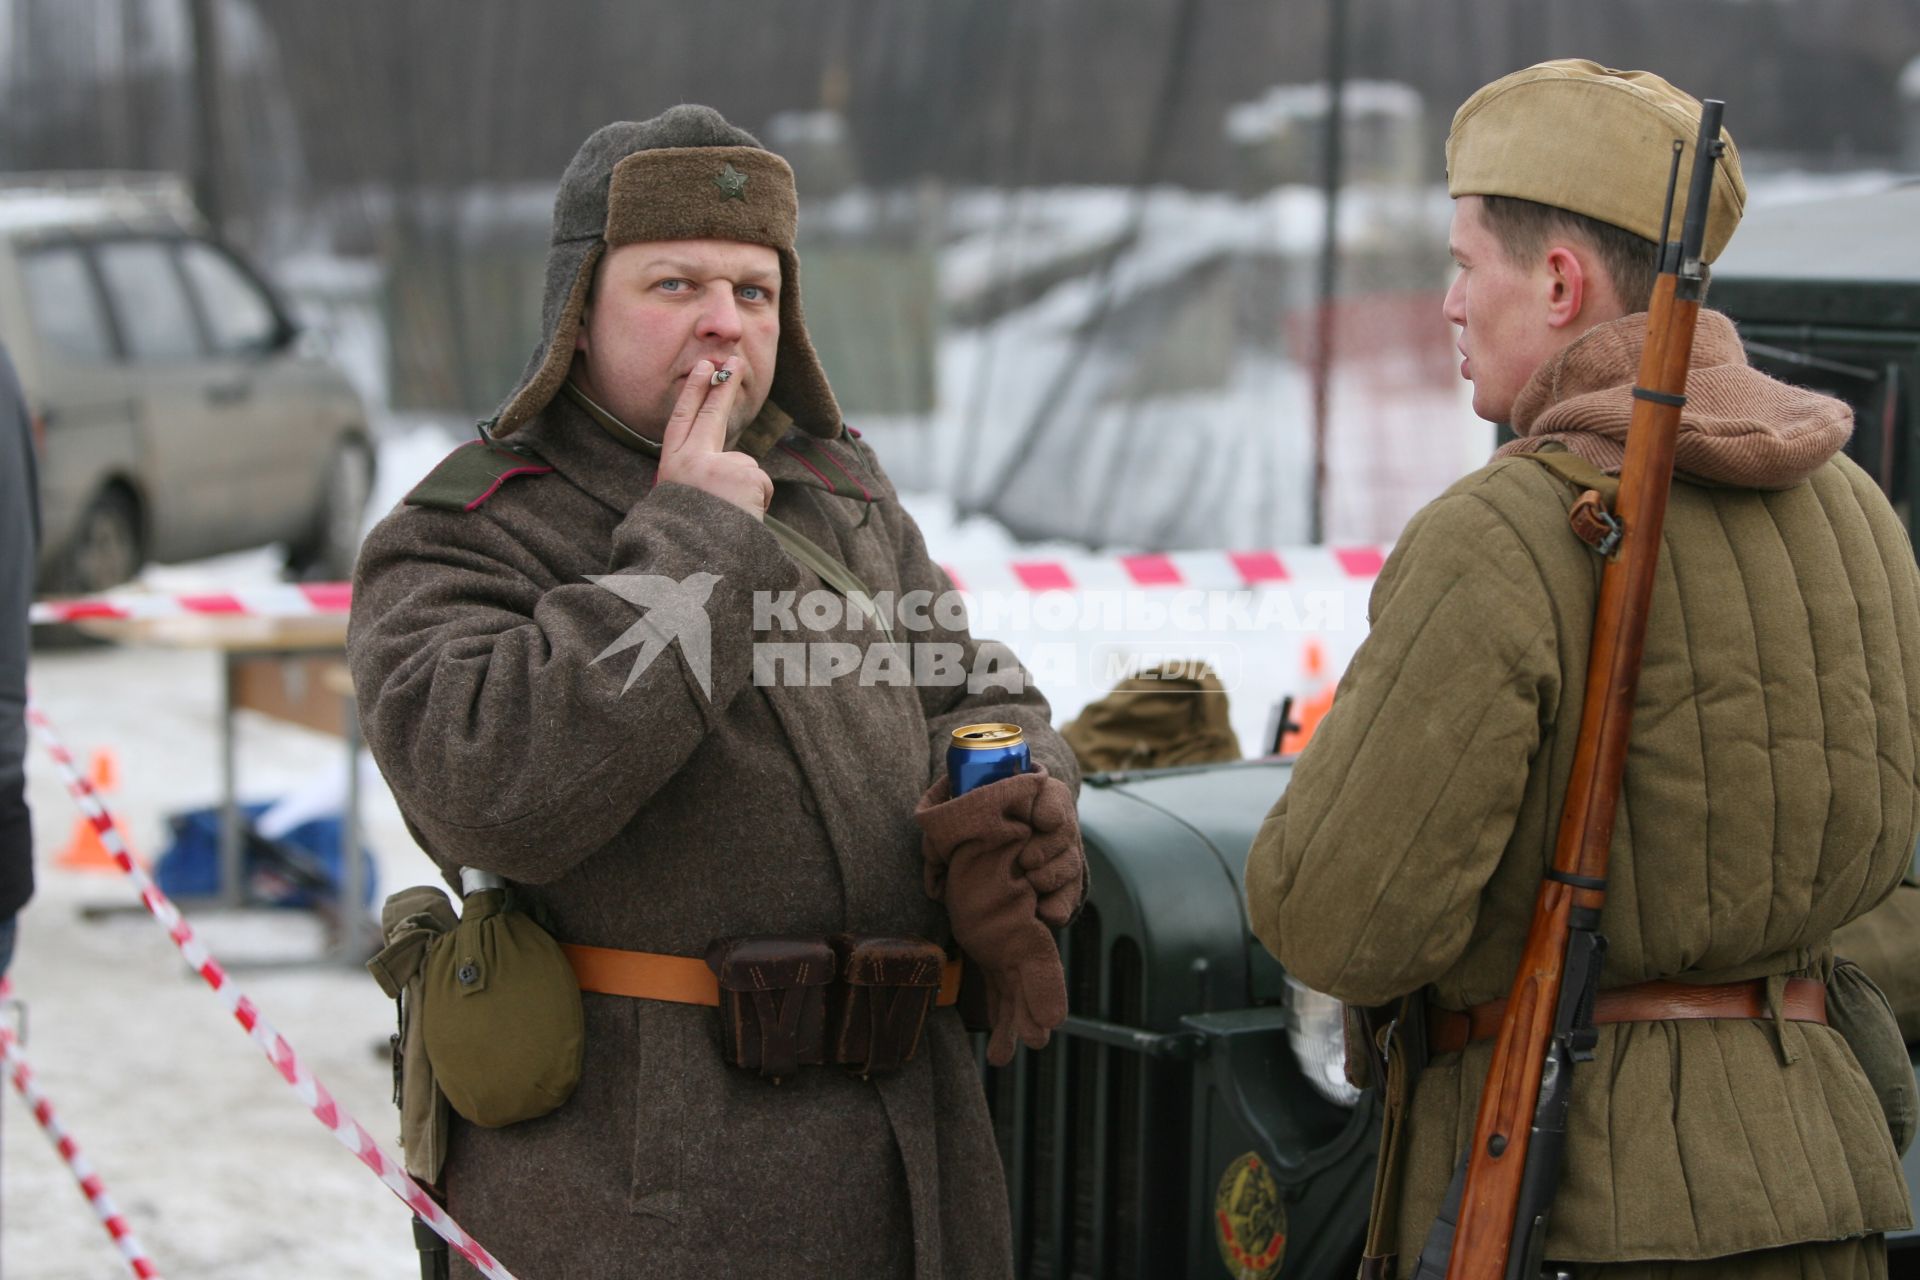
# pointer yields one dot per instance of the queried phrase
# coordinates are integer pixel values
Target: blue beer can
(983, 753)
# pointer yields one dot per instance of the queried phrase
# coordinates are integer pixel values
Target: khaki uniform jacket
(1770, 796)
(655, 818)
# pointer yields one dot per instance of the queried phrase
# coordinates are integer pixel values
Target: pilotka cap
(685, 174)
(1594, 141)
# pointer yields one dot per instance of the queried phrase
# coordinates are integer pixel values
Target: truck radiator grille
(1093, 1135)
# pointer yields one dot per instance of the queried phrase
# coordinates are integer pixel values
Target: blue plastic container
(297, 871)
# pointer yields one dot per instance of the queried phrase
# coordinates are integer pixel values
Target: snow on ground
(219, 1168)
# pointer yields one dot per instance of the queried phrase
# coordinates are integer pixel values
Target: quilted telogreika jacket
(1770, 796)
(689, 807)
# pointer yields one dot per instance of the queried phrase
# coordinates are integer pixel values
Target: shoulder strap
(471, 474)
(1591, 515)
(1577, 472)
(831, 571)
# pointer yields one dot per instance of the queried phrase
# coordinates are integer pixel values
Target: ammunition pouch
(773, 1001)
(886, 988)
(854, 999)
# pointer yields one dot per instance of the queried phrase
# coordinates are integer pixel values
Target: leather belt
(1450, 1030)
(648, 975)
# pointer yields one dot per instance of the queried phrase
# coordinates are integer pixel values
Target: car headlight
(1317, 1034)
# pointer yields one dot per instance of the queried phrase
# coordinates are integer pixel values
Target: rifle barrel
(1706, 149)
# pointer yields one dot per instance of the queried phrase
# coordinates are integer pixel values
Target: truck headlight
(1318, 1037)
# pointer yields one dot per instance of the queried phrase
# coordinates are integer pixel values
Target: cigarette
(720, 376)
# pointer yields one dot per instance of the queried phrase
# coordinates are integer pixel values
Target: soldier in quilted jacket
(1772, 788)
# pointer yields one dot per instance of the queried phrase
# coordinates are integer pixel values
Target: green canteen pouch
(503, 1023)
(412, 921)
(773, 1001)
(1858, 1010)
(887, 986)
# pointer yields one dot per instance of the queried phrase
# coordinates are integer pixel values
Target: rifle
(1494, 1223)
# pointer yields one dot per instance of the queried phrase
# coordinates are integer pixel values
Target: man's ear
(580, 330)
(1567, 285)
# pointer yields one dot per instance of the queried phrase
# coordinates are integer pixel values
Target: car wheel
(105, 550)
(327, 554)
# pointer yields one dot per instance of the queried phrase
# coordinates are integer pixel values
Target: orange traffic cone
(84, 851)
(1311, 710)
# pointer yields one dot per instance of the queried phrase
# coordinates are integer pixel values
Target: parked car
(1194, 1103)
(179, 411)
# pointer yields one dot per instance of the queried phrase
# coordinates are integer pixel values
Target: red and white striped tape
(303, 600)
(1191, 570)
(343, 1126)
(15, 1065)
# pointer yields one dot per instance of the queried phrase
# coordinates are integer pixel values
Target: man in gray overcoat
(603, 652)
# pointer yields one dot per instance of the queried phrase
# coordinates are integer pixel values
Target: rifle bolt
(1497, 1145)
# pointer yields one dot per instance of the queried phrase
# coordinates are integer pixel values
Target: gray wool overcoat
(660, 816)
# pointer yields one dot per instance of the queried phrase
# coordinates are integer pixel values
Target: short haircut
(1523, 228)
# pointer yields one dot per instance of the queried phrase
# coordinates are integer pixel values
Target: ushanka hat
(1594, 141)
(686, 174)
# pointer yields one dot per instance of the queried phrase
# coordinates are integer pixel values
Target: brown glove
(1052, 858)
(1006, 859)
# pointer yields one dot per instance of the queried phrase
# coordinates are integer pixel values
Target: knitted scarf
(1739, 427)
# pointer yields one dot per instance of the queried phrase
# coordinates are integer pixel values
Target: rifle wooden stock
(1485, 1231)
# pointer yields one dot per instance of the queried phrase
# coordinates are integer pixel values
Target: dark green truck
(1192, 1118)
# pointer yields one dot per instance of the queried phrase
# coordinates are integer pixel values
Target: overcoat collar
(618, 475)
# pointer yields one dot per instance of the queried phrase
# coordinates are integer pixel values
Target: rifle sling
(1591, 515)
(1579, 474)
